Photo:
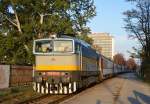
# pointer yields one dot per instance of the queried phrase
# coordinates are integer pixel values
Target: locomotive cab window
(53, 46)
(63, 46)
(44, 46)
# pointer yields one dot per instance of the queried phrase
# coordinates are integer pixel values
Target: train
(66, 65)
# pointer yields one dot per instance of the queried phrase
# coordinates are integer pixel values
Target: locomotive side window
(77, 48)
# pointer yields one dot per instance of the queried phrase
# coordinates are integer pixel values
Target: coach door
(101, 68)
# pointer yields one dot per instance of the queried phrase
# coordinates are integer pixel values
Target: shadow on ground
(98, 102)
(128, 76)
(139, 98)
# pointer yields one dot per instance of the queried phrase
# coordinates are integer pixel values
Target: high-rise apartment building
(105, 41)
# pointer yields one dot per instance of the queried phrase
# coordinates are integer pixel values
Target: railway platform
(123, 89)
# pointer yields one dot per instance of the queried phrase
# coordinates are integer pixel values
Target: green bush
(14, 90)
(4, 92)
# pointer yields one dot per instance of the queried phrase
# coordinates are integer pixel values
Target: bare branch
(138, 23)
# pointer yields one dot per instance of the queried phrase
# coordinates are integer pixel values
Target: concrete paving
(123, 89)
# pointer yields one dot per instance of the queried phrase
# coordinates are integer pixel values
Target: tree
(44, 17)
(138, 23)
(131, 64)
(23, 21)
(83, 35)
(85, 38)
(119, 59)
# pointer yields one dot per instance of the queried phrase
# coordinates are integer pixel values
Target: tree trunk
(17, 19)
(41, 18)
(18, 24)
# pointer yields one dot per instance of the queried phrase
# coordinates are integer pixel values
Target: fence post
(10, 72)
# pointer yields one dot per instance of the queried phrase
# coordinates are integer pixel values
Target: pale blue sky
(110, 19)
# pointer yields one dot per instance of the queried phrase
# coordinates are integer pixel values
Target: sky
(109, 19)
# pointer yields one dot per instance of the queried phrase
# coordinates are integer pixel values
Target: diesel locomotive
(65, 65)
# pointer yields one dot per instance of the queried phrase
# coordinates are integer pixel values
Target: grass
(4, 92)
(17, 94)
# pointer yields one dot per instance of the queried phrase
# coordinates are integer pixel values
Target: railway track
(55, 99)
(51, 99)
(47, 99)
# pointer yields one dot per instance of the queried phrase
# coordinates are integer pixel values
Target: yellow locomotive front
(56, 69)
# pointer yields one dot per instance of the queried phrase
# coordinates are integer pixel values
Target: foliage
(83, 35)
(23, 21)
(85, 38)
(137, 53)
(131, 64)
(12, 51)
(119, 59)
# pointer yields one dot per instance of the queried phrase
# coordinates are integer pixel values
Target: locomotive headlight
(66, 77)
(40, 77)
(45, 78)
(66, 74)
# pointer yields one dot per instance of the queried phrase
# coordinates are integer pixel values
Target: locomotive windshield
(53, 46)
(63, 46)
